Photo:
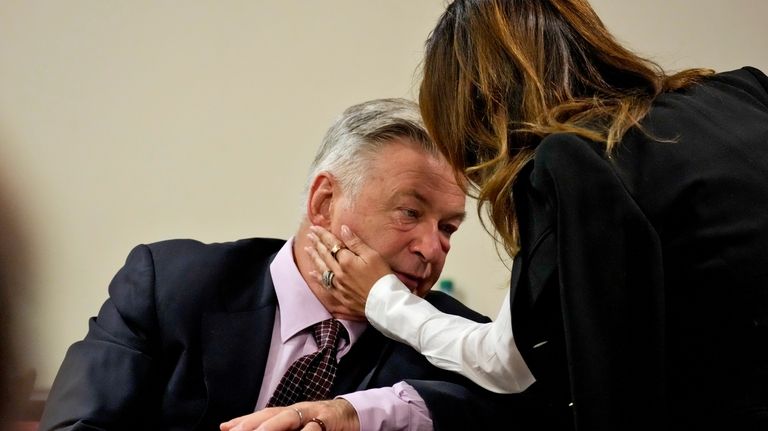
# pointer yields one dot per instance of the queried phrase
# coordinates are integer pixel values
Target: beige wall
(124, 122)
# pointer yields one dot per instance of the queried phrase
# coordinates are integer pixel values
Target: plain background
(123, 122)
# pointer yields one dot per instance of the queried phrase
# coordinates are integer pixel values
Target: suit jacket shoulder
(179, 315)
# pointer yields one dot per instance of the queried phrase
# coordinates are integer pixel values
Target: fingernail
(346, 234)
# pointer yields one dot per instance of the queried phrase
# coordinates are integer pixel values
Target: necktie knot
(326, 333)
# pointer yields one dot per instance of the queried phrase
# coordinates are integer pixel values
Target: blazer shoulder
(761, 79)
(192, 250)
(567, 158)
(186, 277)
(747, 76)
(747, 85)
(186, 259)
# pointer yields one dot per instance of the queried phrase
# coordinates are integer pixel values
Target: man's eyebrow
(460, 215)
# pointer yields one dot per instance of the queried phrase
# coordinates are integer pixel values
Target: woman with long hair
(634, 202)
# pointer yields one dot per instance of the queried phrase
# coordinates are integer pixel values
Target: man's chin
(411, 283)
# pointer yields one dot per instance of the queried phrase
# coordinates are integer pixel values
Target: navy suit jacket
(182, 342)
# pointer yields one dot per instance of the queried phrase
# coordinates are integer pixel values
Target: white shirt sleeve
(483, 352)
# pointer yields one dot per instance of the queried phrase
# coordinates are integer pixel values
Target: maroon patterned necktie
(310, 377)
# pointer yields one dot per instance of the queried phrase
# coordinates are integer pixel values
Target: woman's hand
(355, 266)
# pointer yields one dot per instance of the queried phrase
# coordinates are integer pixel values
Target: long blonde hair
(500, 75)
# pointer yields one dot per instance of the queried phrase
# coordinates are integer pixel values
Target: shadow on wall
(17, 411)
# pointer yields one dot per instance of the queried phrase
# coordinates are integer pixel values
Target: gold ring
(335, 249)
(319, 422)
(301, 416)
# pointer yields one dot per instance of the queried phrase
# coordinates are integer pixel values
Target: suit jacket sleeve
(108, 380)
(610, 285)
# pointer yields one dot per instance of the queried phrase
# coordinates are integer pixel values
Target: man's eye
(410, 213)
(448, 229)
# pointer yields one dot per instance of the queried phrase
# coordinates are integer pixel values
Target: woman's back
(704, 188)
(706, 194)
(657, 258)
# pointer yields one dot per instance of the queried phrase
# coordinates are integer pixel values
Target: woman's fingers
(334, 246)
(319, 237)
(320, 255)
(353, 242)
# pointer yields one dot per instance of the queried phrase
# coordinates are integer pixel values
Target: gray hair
(359, 133)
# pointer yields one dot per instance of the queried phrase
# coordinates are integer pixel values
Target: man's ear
(319, 202)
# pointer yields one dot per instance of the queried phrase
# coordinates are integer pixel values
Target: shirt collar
(299, 307)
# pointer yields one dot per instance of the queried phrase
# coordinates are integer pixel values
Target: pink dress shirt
(392, 408)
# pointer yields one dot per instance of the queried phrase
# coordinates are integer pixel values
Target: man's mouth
(410, 281)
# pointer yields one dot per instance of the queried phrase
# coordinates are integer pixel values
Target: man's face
(406, 210)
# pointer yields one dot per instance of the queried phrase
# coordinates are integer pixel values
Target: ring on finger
(335, 249)
(328, 279)
(319, 422)
(301, 416)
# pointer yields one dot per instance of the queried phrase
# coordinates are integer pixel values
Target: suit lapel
(235, 346)
(358, 367)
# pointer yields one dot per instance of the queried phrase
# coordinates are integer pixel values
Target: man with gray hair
(195, 334)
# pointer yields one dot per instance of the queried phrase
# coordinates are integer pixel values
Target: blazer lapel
(358, 367)
(235, 346)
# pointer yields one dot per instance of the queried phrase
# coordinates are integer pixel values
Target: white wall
(133, 121)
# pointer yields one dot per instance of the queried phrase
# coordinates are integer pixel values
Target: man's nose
(429, 244)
